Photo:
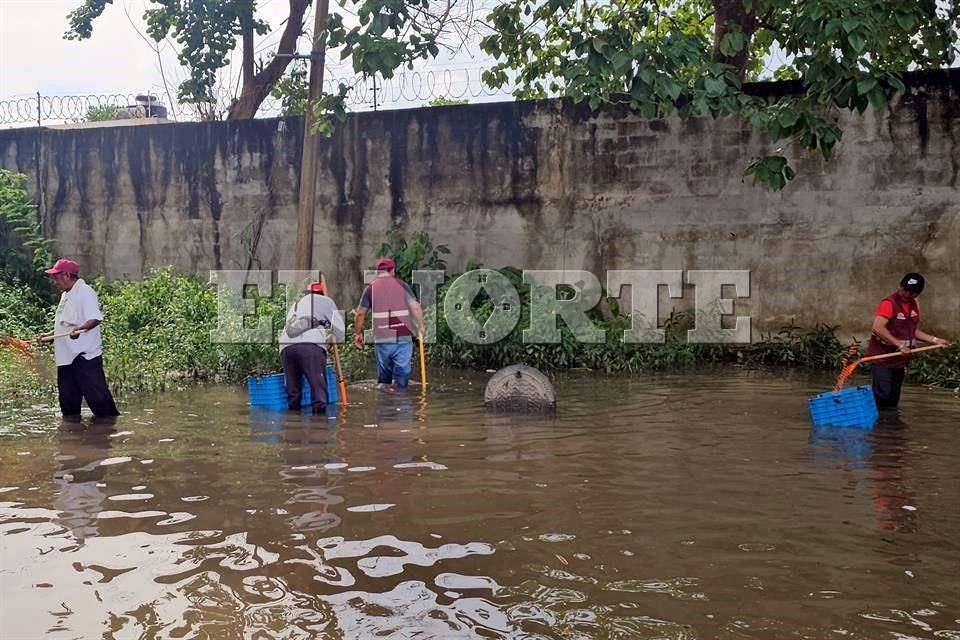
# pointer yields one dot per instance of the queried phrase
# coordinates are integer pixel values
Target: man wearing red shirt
(896, 327)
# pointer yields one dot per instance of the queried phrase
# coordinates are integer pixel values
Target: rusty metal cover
(522, 389)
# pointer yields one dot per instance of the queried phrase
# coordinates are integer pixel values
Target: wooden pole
(308, 164)
(341, 383)
(898, 353)
(423, 364)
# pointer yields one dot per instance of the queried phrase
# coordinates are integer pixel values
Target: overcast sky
(34, 56)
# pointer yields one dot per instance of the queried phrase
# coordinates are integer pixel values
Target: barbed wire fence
(405, 90)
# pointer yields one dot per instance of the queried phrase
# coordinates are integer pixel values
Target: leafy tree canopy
(389, 34)
(691, 57)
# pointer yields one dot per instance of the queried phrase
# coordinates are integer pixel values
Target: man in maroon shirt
(397, 317)
(896, 327)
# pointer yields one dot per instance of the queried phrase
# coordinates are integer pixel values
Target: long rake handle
(60, 335)
(341, 384)
(898, 353)
(423, 364)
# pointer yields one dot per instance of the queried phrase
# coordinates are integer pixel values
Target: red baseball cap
(385, 264)
(317, 287)
(63, 266)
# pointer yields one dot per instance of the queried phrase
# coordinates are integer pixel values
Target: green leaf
(866, 85)
(714, 86)
(774, 129)
(905, 20)
(845, 94)
(672, 88)
(621, 60)
(788, 117)
(732, 43)
(857, 41)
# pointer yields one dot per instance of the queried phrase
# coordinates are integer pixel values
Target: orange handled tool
(341, 384)
(847, 370)
(423, 365)
(19, 345)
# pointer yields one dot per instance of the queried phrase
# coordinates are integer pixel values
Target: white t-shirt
(314, 307)
(77, 306)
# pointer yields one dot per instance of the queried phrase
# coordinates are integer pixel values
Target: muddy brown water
(700, 506)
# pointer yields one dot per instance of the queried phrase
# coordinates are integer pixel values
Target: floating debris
(369, 508)
(420, 465)
(111, 461)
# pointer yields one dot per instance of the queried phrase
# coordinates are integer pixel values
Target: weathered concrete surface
(534, 185)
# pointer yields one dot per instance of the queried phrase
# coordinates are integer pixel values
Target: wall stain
(352, 197)
(951, 121)
(510, 162)
(107, 153)
(214, 199)
(61, 161)
(923, 124)
(396, 125)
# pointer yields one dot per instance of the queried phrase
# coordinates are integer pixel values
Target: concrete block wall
(537, 185)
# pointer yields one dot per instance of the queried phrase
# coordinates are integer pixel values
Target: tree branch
(255, 92)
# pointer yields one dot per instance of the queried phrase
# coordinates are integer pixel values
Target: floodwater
(699, 506)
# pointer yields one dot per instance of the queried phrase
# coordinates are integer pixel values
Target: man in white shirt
(78, 350)
(312, 323)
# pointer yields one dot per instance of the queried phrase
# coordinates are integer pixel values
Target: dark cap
(913, 282)
(385, 264)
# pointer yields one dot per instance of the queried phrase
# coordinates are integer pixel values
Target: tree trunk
(307, 196)
(727, 16)
(256, 87)
(248, 53)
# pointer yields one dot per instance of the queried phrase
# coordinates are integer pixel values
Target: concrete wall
(534, 185)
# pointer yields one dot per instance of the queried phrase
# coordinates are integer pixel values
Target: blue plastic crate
(268, 391)
(333, 394)
(850, 407)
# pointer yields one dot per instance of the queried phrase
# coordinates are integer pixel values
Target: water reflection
(646, 508)
(893, 499)
(82, 446)
(881, 452)
(397, 405)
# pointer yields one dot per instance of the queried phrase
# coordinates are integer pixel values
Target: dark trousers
(305, 359)
(887, 383)
(81, 380)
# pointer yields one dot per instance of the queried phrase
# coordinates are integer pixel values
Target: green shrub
(419, 253)
(23, 313)
(940, 368)
(24, 251)
(157, 336)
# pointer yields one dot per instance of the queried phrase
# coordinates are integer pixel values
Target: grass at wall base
(156, 338)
